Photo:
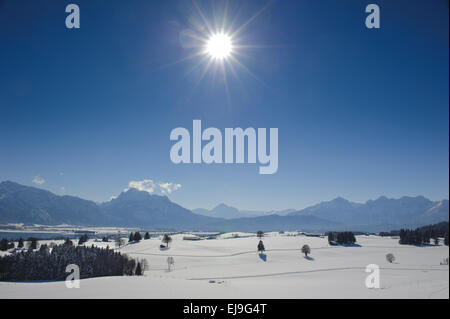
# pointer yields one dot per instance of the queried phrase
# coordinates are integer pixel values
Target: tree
(147, 235)
(390, 258)
(44, 249)
(170, 262)
(446, 239)
(68, 242)
(138, 271)
(306, 250)
(33, 243)
(144, 264)
(137, 236)
(260, 234)
(131, 238)
(330, 238)
(4, 244)
(20, 244)
(167, 240)
(105, 239)
(261, 248)
(84, 238)
(44, 264)
(119, 242)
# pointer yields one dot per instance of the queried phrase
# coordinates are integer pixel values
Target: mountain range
(134, 208)
(229, 212)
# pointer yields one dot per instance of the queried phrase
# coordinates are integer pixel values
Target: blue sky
(361, 113)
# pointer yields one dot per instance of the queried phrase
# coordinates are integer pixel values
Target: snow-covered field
(230, 267)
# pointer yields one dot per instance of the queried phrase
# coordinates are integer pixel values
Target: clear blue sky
(361, 113)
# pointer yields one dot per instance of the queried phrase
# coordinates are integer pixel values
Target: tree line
(136, 237)
(341, 238)
(422, 235)
(50, 264)
(5, 244)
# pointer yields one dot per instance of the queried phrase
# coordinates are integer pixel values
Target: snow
(230, 267)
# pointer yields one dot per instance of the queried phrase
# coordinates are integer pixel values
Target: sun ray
(248, 71)
(202, 75)
(210, 29)
(189, 57)
(224, 74)
(245, 24)
(224, 18)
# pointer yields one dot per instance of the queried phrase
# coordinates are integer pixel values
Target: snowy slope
(230, 268)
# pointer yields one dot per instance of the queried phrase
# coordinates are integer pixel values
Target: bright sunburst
(217, 43)
(219, 46)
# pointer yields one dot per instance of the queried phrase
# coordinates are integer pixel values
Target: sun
(219, 46)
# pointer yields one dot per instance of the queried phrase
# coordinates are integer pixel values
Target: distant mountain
(382, 213)
(229, 212)
(275, 223)
(134, 208)
(30, 205)
(139, 208)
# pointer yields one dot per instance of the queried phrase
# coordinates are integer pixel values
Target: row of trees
(5, 244)
(136, 237)
(420, 236)
(341, 238)
(50, 264)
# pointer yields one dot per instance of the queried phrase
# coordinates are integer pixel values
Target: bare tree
(390, 258)
(306, 250)
(145, 265)
(119, 242)
(167, 240)
(170, 262)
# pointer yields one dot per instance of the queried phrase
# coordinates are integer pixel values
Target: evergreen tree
(4, 244)
(330, 238)
(44, 264)
(261, 248)
(137, 236)
(138, 271)
(83, 239)
(446, 239)
(33, 243)
(147, 235)
(131, 238)
(20, 245)
(260, 234)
